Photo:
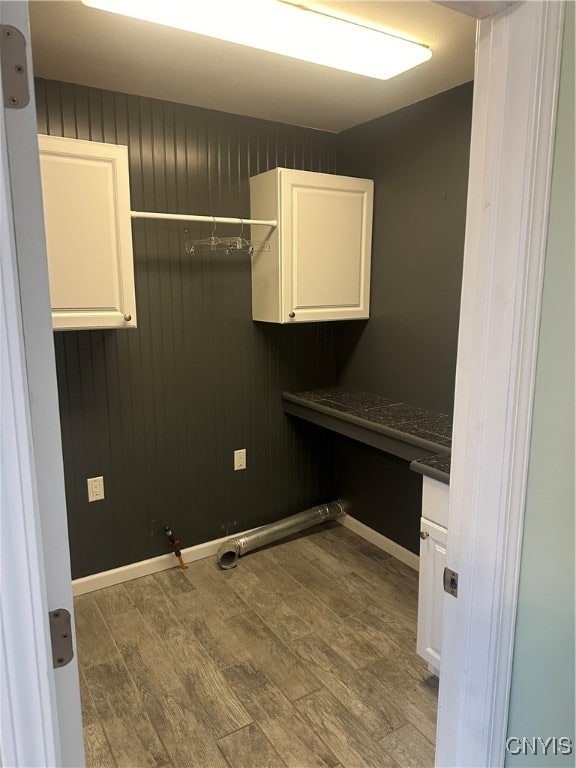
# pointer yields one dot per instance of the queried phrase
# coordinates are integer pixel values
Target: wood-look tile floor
(301, 657)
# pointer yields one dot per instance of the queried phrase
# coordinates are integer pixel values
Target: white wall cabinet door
(431, 592)
(318, 265)
(88, 233)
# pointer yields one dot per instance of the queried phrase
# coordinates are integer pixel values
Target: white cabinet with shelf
(88, 233)
(318, 265)
(433, 538)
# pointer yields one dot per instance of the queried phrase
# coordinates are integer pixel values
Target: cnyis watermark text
(539, 745)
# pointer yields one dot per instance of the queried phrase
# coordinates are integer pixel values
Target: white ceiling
(77, 44)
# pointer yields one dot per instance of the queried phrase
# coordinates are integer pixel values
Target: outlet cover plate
(240, 459)
(95, 488)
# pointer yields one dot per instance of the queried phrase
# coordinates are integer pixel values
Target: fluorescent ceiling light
(284, 28)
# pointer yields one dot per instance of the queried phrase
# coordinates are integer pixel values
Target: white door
(41, 719)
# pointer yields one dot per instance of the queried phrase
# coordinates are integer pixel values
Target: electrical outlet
(95, 488)
(240, 459)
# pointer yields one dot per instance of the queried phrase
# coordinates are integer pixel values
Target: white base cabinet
(318, 263)
(433, 538)
(88, 233)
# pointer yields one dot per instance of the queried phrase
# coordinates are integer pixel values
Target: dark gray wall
(418, 158)
(158, 411)
(382, 491)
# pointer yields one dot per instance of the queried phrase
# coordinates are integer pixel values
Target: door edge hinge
(451, 582)
(61, 637)
(15, 87)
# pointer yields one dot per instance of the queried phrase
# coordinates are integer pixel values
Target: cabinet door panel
(71, 233)
(88, 233)
(431, 592)
(326, 238)
(325, 245)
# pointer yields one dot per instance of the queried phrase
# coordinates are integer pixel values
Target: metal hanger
(227, 244)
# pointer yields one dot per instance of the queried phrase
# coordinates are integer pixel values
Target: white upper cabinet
(88, 233)
(318, 265)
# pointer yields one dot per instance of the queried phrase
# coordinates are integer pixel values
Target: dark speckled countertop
(437, 467)
(423, 437)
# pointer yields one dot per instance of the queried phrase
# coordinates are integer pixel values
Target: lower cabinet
(433, 538)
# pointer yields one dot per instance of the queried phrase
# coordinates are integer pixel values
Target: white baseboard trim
(199, 551)
(146, 567)
(382, 542)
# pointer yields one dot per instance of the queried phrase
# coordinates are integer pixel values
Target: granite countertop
(421, 436)
(437, 467)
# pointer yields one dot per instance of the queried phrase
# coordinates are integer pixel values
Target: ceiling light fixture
(279, 27)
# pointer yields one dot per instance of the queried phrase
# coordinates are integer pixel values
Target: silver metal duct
(231, 550)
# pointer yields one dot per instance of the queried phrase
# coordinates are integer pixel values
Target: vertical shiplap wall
(159, 411)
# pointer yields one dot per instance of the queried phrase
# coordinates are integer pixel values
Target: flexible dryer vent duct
(231, 550)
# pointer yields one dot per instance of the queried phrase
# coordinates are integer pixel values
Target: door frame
(518, 53)
(41, 714)
(25, 634)
(513, 131)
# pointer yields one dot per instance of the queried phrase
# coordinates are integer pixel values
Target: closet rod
(208, 219)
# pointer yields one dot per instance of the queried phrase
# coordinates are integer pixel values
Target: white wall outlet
(95, 488)
(240, 459)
